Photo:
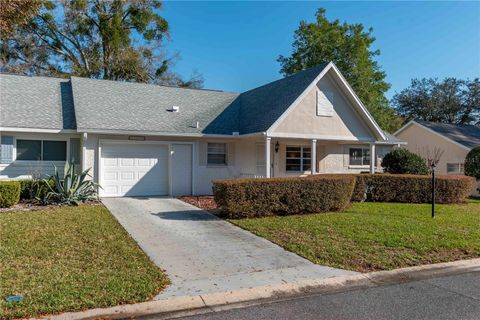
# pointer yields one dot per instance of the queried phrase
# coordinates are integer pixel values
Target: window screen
(359, 156)
(54, 150)
(29, 149)
(455, 168)
(41, 150)
(298, 158)
(216, 154)
(75, 150)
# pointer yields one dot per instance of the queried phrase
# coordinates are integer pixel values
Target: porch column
(314, 156)
(83, 151)
(267, 156)
(373, 157)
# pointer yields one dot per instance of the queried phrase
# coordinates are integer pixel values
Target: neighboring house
(454, 140)
(142, 139)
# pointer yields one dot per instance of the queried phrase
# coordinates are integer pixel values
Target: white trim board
(167, 134)
(320, 137)
(359, 102)
(36, 130)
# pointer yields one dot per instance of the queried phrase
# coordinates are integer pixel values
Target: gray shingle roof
(40, 102)
(262, 106)
(467, 135)
(112, 105)
(36, 102)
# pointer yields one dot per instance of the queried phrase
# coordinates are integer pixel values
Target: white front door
(133, 170)
(260, 160)
(181, 169)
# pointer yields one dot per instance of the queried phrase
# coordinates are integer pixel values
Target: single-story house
(142, 139)
(454, 140)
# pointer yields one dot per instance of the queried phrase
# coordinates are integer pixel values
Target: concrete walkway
(203, 254)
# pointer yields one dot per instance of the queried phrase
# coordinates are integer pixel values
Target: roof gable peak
(362, 110)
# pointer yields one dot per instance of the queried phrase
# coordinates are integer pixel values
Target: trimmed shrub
(9, 193)
(34, 189)
(411, 188)
(248, 198)
(403, 161)
(472, 163)
(24, 188)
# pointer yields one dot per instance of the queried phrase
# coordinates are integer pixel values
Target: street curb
(219, 301)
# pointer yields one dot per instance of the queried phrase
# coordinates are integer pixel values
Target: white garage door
(134, 170)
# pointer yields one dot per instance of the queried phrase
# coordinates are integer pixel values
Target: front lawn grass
(377, 236)
(71, 258)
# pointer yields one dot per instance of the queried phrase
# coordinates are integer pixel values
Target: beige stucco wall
(332, 157)
(344, 122)
(335, 158)
(420, 140)
(246, 156)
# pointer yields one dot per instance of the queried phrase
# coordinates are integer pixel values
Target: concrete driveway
(204, 254)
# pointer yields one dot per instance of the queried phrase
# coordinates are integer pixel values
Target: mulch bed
(206, 203)
(33, 206)
(25, 206)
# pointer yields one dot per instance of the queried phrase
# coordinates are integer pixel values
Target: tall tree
(449, 101)
(16, 13)
(106, 39)
(349, 47)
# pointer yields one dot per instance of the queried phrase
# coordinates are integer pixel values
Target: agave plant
(72, 188)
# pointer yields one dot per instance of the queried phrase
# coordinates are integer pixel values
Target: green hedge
(411, 188)
(9, 193)
(248, 198)
(30, 189)
(472, 163)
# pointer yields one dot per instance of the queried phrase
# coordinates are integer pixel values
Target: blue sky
(235, 44)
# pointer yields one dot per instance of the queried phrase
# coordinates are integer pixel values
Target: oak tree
(105, 39)
(450, 100)
(349, 47)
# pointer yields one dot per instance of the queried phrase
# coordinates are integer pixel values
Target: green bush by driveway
(33, 189)
(242, 198)
(71, 258)
(377, 236)
(9, 193)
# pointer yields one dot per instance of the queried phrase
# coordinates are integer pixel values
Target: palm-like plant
(72, 188)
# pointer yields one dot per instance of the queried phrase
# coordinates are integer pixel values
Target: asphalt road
(452, 297)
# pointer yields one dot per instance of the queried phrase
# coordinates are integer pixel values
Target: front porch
(301, 157)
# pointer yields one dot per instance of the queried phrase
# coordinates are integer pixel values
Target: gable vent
(174, 109)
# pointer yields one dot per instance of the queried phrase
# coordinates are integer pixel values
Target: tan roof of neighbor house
(464, 134)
